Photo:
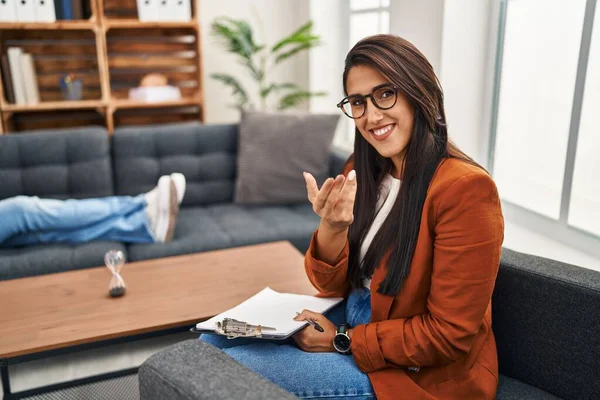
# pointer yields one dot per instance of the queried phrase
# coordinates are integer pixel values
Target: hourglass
(114, 260)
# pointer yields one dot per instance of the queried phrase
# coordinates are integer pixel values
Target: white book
(30, 79)
(147, 10)
(44, 11)
(181, 10)
(8, 10)
(163, 11)
(14, 61)
(269, 308)
(26, 10)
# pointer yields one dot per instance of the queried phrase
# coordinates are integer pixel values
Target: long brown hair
(406, 67)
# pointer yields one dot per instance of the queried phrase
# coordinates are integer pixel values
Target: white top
(388, 192)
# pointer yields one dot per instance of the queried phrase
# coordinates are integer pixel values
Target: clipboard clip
(232, 328)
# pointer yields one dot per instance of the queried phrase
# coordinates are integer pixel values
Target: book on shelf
(8, 11)
(164, 10)
(26, 10)
(72, 9)
(30, 79)
(44, 11)
(14, 61)
(9, 93)
(23, 77)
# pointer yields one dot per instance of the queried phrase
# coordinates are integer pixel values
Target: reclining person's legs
(145, 218)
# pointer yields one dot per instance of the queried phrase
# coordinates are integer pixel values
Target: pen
(313, 323)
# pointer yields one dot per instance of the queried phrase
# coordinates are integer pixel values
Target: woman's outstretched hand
(311, 340)
(334, 202)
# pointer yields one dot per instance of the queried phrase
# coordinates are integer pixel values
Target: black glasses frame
(346, 100)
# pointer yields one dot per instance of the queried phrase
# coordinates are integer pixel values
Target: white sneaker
(179, 180)
(162, 209)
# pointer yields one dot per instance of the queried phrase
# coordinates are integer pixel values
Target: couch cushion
(65, 163)
(275, 148)
(512, 389)
(547, 325)
(20, 262)
(206, 155)
(228, 225)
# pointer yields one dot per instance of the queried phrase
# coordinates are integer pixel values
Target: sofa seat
(20, 262)
(229, 225)
(513, 389)
(196, 370)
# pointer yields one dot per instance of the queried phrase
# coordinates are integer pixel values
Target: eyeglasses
(383, 97)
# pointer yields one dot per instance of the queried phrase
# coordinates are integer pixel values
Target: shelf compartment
(134, 53)
(55, 54)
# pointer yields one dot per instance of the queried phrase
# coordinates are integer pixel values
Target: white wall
(454, 36)
(279, 18)
(463, 72)
(326, 64)
(419, 22)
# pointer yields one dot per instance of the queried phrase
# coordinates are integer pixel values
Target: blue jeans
(329, 376)
(30, 220)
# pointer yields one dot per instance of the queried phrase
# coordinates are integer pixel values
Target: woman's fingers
(307, 314)
(348, 192)
(334, 195)
(323, 194)
(311, 186)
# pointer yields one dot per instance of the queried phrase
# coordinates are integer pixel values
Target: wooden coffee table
(52, 314)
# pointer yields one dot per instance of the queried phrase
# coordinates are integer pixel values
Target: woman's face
(388, 131)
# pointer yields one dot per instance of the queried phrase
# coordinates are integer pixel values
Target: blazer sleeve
(329, 280)
(469, 232)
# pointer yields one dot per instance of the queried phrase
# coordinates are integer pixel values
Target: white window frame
(560, 229)
(347, 143)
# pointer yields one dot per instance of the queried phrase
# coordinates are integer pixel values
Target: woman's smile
(382, 132)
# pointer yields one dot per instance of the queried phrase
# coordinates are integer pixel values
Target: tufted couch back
(87, 162)
(65, 163)
(206, 155)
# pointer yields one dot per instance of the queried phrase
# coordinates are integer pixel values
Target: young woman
(411, 233)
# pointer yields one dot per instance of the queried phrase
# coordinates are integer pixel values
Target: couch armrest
(197, 370)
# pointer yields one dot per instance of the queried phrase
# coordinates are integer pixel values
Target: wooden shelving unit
(111, 52)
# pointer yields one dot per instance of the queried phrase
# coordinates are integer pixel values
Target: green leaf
(284, 56)
(297, 97)
(237, 89)
(299, 36)
(277, 87)
(236, 35)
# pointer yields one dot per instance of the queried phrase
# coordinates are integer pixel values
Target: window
(367, 17)
(545, 145)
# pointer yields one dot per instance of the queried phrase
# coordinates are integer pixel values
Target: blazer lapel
(380, 304)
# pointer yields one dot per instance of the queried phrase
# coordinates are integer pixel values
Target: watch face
(341, 342)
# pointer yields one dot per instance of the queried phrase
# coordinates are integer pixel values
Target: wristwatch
(341, 340)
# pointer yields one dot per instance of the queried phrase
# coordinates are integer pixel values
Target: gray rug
(122, 388)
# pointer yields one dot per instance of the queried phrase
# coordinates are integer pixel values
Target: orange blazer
(441, 319)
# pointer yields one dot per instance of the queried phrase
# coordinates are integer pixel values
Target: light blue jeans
(28, 220)
(329, 376)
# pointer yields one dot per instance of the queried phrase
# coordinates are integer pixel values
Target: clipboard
(266, 315)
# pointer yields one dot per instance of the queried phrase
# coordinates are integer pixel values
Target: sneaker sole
(173, 212)
(164, 188)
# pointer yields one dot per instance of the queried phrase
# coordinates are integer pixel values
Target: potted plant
(260, 59)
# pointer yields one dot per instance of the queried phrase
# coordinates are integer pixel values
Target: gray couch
(87, 162)
(546, 320)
